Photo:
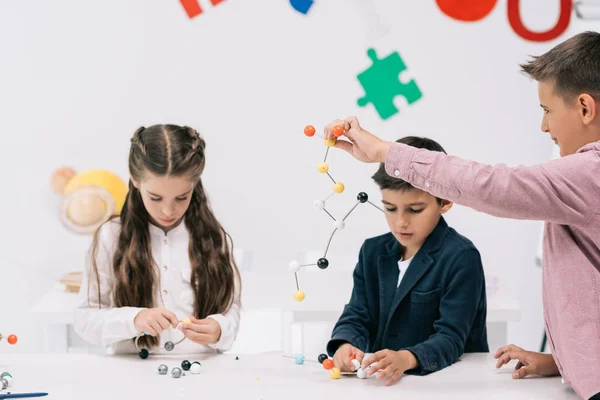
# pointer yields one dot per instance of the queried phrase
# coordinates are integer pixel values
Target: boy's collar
(588, 147)
(432, 243)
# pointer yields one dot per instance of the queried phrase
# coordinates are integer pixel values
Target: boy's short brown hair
(385, 181)
(573, 66)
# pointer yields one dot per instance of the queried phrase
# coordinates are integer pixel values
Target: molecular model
(338, 224)
(11, 339)
(335, 373)
(193, 367)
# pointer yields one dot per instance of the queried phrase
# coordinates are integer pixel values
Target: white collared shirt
(113, 327)
(402, 267)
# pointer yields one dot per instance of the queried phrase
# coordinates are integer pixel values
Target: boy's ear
(446, 206)
(587, 108)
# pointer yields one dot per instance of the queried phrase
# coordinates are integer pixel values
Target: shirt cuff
(398, 160)
(129, 315)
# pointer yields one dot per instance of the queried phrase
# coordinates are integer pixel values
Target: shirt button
(427, 184)
(166, 241)
(165, 292)
(165, 268)
(396, 172)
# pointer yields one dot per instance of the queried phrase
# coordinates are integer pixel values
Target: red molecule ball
(337, 130)
(12, 339)
(309, 130)
(328, 364)
(352, 357)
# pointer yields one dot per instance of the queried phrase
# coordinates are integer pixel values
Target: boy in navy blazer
(419, 300)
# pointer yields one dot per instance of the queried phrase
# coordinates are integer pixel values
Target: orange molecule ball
(352, 357)
(337, 130)
(12, 339)
(309, 130)
(327, 364)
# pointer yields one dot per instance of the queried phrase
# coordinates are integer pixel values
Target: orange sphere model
(11, 339)
(309, 130)
(337, 130)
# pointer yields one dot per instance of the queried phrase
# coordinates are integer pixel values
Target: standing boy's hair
(170, 150)
(385, 181)
(573, 66)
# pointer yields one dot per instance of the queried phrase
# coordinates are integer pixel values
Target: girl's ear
(134, 182)
(446, 206)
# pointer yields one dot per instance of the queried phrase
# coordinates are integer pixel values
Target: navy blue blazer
(438, 312)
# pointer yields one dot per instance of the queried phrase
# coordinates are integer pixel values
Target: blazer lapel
(421, 262)
(388, 279)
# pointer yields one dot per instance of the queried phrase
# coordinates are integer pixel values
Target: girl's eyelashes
(178, 199)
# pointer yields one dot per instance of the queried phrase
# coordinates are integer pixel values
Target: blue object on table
(299, 359)
(21, 395)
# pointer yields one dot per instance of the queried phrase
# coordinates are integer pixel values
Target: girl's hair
(170, 150)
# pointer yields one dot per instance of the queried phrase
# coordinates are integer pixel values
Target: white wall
(77, 78)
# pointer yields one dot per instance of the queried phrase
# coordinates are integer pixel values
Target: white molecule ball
(356, 364)
(339, 225)
(195, 368)
(319, 204)
(361, 374)
(294, 266)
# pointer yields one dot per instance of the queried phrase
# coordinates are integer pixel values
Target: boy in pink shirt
(565, 193)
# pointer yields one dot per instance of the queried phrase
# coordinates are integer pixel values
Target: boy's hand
(202, 331)
(530, 363)
(154, 320)
(390, 364)
(342, 358)
(363, 145)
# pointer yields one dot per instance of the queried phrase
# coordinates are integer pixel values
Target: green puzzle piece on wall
(381, 82)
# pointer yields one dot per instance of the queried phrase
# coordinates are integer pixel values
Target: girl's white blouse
(113, 328)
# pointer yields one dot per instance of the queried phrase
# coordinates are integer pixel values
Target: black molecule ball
(322, 357)
(185, 365)
(143, 354)
(322, 263)
(362, 197)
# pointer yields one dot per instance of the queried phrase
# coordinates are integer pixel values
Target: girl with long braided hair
(164, 260)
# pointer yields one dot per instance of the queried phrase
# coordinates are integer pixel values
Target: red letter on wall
(514, 18)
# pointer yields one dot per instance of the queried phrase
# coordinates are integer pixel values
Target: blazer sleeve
(459, 305)
(355, 323)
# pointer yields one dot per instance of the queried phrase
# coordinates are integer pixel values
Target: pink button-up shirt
(565, 193)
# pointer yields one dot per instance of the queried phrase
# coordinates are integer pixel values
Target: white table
(265, 376)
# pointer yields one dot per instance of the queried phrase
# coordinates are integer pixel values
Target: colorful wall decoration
(476, 10)
(193, 8)
(381, 82)
(302, 6)
(90, 198)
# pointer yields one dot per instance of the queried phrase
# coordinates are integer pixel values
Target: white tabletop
(253, 377)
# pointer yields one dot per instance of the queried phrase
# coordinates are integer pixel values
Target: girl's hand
(530, 363)
(390, 364)
(154, 320)
(202, 331)
(362, 145)
(342, 358)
